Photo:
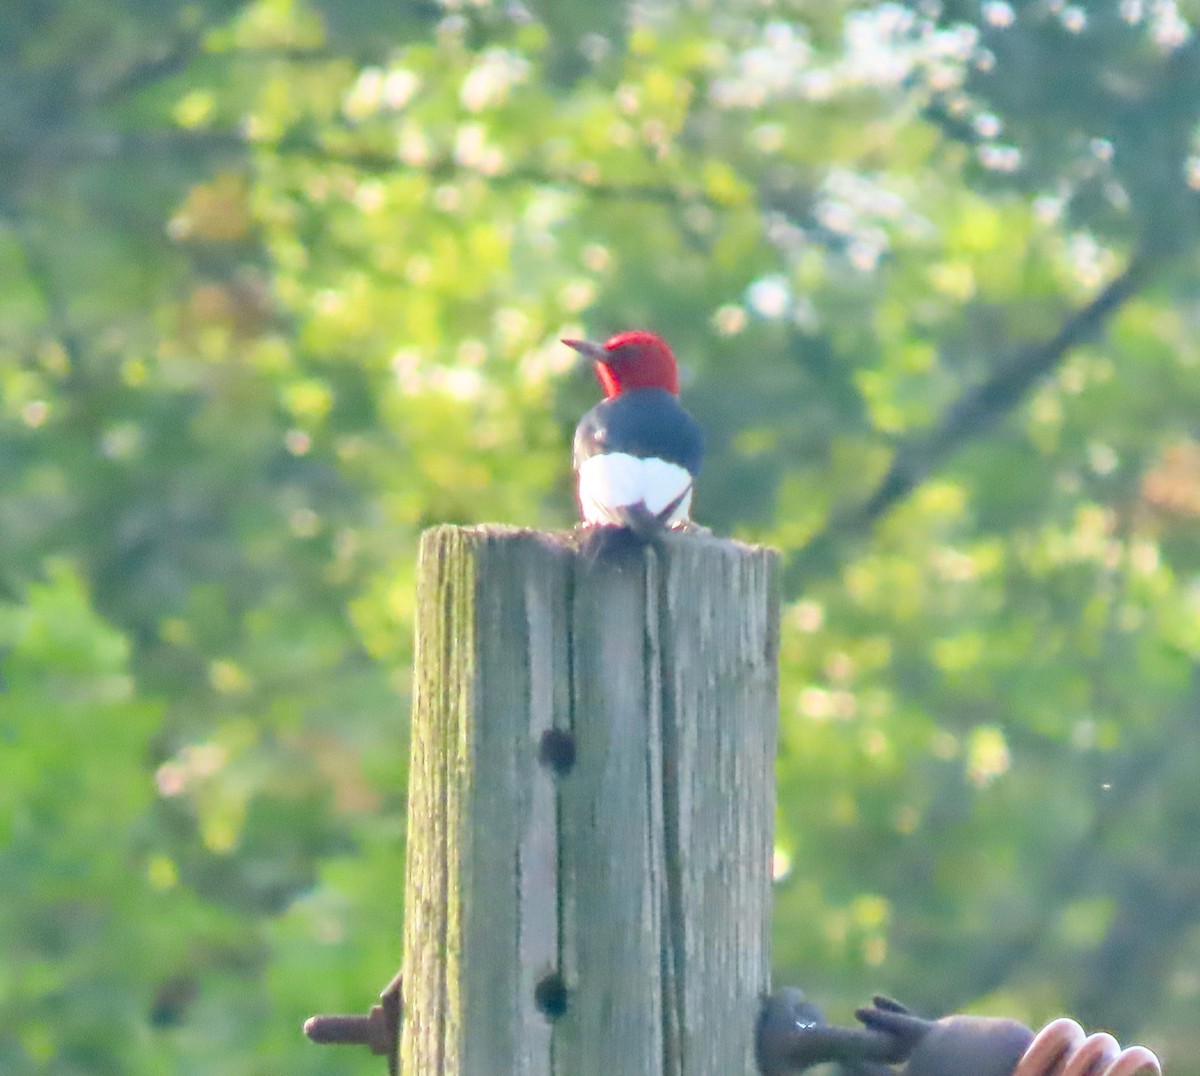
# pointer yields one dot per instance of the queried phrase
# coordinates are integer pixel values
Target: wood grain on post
(640, 878)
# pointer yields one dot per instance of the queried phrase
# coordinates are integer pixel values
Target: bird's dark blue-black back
(645, 423)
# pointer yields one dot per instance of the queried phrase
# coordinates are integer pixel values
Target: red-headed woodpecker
(637, 452)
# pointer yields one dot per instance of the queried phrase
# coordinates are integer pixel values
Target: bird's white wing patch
(662, 483)
(614, 480)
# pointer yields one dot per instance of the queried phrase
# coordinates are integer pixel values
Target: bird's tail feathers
(634, 527)
(649, 526)
(639, 519)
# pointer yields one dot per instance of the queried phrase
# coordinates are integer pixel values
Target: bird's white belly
(611, 481)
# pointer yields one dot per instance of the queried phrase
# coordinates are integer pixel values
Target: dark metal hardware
(792, 1036)
(379, 1029)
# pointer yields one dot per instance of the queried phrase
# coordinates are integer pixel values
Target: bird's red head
(631, 360)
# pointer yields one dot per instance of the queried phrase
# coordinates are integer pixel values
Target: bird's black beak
(590, 351)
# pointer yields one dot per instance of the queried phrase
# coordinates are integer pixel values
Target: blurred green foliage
(282, 284)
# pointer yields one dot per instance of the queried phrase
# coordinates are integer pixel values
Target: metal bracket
(379, 1029)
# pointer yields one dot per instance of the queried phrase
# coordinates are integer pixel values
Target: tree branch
(41, 275)
(142, 144)
(974, 413)
(168, 61)
(1140, 773)
(1070, 874)
(448, 170)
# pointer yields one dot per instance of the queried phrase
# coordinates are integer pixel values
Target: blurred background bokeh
(281, 283)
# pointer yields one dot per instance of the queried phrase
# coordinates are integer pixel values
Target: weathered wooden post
(591, 806)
